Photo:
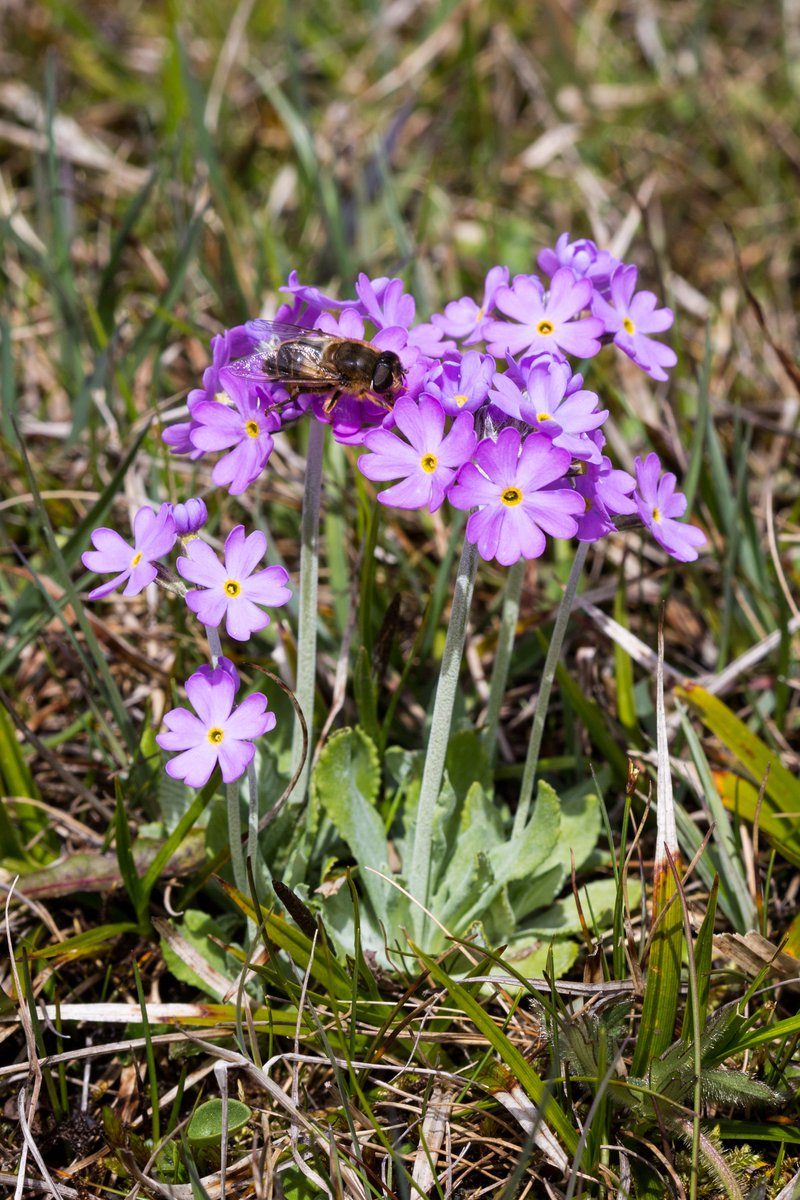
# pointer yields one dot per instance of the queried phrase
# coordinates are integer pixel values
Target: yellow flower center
(460, 400)
(511, 496)
(251, 429)
(137, 558)
(215, 735)
(480, 314)
(429, 463)
(656, 514)
(545, 328)
(222, 398)
(543, 417)
(232, 588)
(628, 325)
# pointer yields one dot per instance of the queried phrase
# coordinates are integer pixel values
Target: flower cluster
(232, 591)
(481, 407)
(491, 415)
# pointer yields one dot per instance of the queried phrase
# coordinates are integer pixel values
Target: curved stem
(441, 720)
(307, 620)
(546, 686)
(502, 658)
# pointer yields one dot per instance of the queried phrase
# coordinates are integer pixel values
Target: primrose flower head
(631, 317)
(426, 462)
(464, 319)
(189, 516)
(154, 536)
(233, 590)
(545, 320)
(515, 487)
(461, 384)
(659, 505)
(219, 733)
(244, 428)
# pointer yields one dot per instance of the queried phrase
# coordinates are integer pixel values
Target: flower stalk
(439, 736)
(307, 604)
(545, 688)
(502, 659)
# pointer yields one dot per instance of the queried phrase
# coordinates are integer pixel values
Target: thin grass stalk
(502, 658)
(545, 687)
(696, 1041)
(441, 721)
(662, 987)
(307, 616)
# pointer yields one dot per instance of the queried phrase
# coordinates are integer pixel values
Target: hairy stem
(441, 720)
(307, 620)
(545, 687)
(502, 658)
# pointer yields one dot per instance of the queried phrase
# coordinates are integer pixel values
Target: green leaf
(520, 857)
(597, 899)
(662, 986)
(207, 938)
(467, 763)
(531, 957)
(346, 781)
(779, 811)
(366, 697)
(205, 1127)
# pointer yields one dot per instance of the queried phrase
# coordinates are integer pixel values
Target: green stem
(441, 720)
(546, 686)
(307, 619)
(502, 658)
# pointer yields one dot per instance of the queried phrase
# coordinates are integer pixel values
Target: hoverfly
(310, 360)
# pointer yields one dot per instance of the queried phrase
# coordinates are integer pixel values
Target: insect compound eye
(385, 374)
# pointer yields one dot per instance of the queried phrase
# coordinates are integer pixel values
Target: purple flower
(246, 429)
(606, 492)
(659, 504)
(231, 590)
(518, 502)
(189, 516)
(385, 302)
(153, 537)
(231, 343)
(632, 318)
(311, 296)
(427, 462)
(583, 258)
(550, 404)
(223, 664)
(545, 320)
(462, 384)
(463, 319)
(219, 733)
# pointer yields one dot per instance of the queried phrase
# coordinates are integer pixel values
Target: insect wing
(251, 367)
(274, 332)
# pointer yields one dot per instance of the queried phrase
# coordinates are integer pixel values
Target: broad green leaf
(529, 895)
(205, 1127)
(581, 823)
(530, 957)
(521, 857)
(345, 782)
(467, 763)
(91, 871)
(597, 900)
(206, 937)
